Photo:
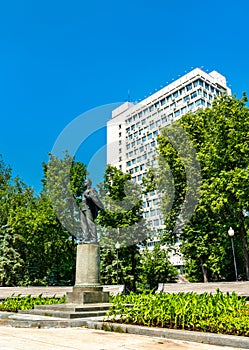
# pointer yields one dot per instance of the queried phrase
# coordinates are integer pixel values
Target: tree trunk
(204, 271)
(245, 250)
(133, 269)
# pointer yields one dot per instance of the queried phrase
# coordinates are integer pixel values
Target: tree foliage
(120, 222)
(34, 247)
(155, 267)
(220, 136)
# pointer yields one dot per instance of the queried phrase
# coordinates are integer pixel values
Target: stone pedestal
(87, 265)
(87, 289)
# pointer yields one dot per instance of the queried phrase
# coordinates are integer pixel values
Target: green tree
(156, 267)
(220, 138)
(14, 194)
(121, 221)
(11, 263)
(47, 248)
(64, 184)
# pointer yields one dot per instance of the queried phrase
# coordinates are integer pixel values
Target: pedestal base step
(70, 311)
(85, 296)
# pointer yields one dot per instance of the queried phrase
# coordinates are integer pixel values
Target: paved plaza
(241, 288)
(90, 338)
(82, 338)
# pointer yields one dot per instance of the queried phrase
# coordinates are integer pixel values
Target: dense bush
(218, 313)
(25, 303)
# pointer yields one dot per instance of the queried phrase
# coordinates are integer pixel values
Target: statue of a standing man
(91, 205)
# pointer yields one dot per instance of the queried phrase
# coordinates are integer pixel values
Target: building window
(120, 134)
(177, 113)
(143, 121)
(120, 159)
(198, 82)
(149, 203)
(151, 108)
(191, 106)
(155, 201)
(153, 143)
(186, 98)
(182, 90)
(194, 94)
(156, 222)
(175, 94)
(189, 87)
(184, 110)
(163, 101)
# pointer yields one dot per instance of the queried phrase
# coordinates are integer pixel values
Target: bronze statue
(91, 205)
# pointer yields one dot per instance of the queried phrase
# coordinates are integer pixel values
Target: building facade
(133, 129)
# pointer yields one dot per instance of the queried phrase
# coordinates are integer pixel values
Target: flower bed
(217, 313)
(19, 302)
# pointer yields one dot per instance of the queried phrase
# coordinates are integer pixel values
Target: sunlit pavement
(82, 338)
(242, 288)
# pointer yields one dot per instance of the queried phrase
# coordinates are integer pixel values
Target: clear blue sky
(60, 59)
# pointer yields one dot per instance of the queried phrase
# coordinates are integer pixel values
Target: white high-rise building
(132, 131)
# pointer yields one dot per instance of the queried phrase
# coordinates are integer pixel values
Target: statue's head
(88, 182)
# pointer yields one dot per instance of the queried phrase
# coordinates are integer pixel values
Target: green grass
(217, 313)
(15, 303)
